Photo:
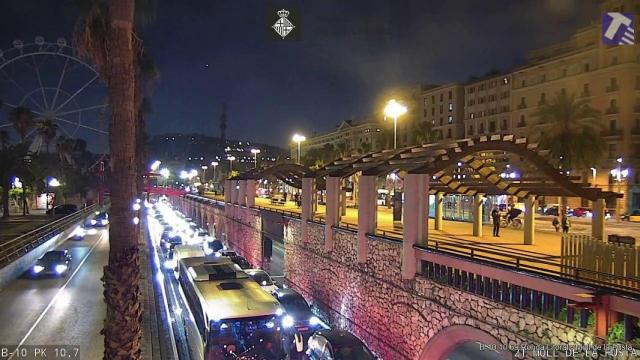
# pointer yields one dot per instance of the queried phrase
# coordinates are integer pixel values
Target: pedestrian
(556, 223)
(566, 224)
(495, 216)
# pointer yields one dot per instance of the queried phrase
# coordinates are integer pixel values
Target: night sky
(348, 54)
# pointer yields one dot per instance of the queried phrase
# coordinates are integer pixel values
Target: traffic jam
(223, 307)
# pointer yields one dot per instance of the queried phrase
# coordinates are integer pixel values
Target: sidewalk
(16, 224)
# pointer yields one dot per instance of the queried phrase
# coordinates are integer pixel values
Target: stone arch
(449, 338)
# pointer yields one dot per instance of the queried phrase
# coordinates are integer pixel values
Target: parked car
(634, 216)
(64, 209)
(242, 262)
(337, 345)
(581, 212)
(55, 262)
(262, 278)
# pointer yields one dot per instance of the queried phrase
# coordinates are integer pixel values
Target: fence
(618, 263)
(21, 245)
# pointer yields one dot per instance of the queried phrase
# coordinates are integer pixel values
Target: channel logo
(617, 29)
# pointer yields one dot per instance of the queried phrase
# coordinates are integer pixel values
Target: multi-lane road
(65, 310)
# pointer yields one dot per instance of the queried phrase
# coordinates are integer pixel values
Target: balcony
(612, 110)
(521, 124)
(522, 106)
(585, 94)
(612, 134)
(612, 88)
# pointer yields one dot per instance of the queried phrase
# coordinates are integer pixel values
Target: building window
(441, 122)
(505, 80)
(612, 125)
(492, 126)
(450, 94)
(613, 103)
(425, 102)
(449, 133)
(585, 90)
(470, 129)
(543, 77)
(613, 84)
(481, 128)
(586, 67)
(522, 122)
(524, 83)
(440, 108)
(564, 72)
(450, 107)
(613, 151)
(450, 119)
(563, 91)
(614, 60)
(433, 99)
(441, 96)
(504, 124)
(424, 113)
(472, 115)
(433, 111)
(543, 99)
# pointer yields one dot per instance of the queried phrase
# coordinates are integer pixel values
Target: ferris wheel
(50, 80)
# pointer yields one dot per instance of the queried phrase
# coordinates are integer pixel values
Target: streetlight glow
(165, 173)
(155, 165)
(394, 109)
(255, 153)
(54, 182)
(297, 138)
(231, 158)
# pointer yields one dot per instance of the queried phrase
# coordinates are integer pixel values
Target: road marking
(55, 297)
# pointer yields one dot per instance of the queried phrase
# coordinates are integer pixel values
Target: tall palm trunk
(122, 328)
(5, 198)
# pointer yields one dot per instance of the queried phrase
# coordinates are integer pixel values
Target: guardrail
(24, 243)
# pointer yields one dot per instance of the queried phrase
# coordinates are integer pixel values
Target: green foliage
(570, 130)
(615, 334)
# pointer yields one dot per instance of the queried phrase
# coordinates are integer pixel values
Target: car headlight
(167, 245)
(279, 311)
(37, 268)
(170, 264)
(314, 320)
(287, 321)
(60, 268)
(93, 222)
(104, 221)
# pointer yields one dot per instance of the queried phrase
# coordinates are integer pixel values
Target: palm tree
(105, 34)
(48, 130)
(11, 164)
(570, 130)
(423, 133)
(22, 119)
(5, 137)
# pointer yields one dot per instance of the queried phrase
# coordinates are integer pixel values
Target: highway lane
(60, 310)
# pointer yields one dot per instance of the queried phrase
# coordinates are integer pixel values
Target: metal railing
(293, 214)
(19, 246)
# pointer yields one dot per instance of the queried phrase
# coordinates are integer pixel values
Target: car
(298, 315)
(64, 209)
(262, 278)
(581, 212)
(78, 233)
(54, 262)
(337, 345)
(100, 219)
(634, 216)
(172, 241)
(242, 262)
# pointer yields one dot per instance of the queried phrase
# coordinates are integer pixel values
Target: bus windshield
(229, 339)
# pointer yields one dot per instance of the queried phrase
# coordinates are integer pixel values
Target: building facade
(488, 106)
(443, 107)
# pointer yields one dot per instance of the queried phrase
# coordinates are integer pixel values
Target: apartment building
(488, 106)
(443, 107)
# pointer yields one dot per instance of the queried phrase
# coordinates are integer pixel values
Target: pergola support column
(242, 192)
(530, 204)
(367, 214)
(308, 188)
(332, 215)
(414, 229)
(251, 193)
(597, 219)
(477, 214)
(234, 191)
(227, 191)
(439, 202)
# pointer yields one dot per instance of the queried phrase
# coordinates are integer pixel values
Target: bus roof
(187, 251)
(236, 299)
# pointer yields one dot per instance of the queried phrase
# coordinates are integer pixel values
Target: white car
(262, 278)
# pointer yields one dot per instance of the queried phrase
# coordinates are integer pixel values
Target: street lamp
(214, 164)
(165, 173)
(297, 138)
(231, 158)
(594, 171)
(394, 110)
(204, 172)
(255, 153)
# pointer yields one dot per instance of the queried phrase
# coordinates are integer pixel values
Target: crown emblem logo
(283, 26)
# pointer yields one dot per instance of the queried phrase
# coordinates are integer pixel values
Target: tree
(105, 34)
(22, 119)
(11, 164)
(48, 130)
(423, 133)
(570, 130)
(5, 137)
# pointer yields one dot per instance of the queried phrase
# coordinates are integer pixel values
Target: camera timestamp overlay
(15, 352)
